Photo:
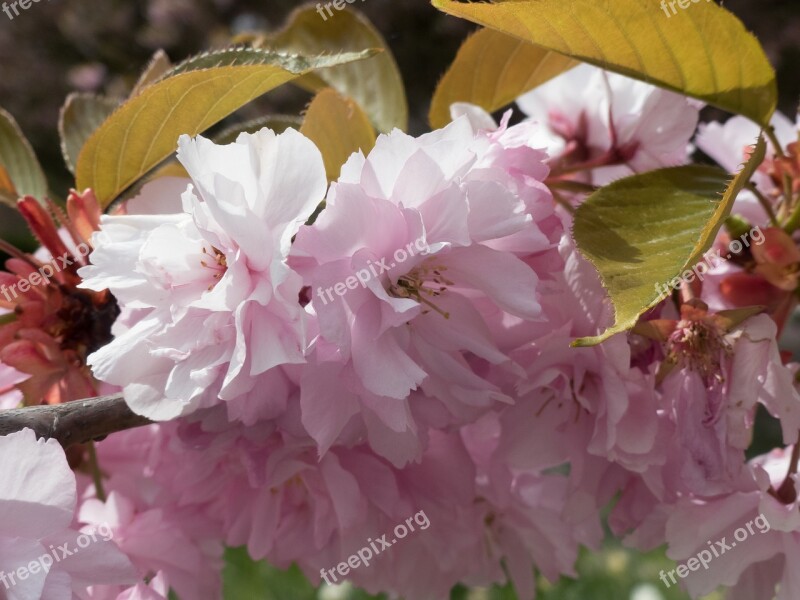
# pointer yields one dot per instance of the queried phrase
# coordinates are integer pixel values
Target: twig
(97, 474)
(776, 144)
(75, 422)
(787, 493)
(765, 204)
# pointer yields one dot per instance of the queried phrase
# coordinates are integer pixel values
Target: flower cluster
(301, 425)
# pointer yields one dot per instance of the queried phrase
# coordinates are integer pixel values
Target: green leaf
(78, 119)
(338, 127)
(375, 84)
(704, 51)
(642, 231)
(18, 164)
(189, 99)
(492, 70)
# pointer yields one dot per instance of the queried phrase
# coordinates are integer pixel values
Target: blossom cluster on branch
(441, 378)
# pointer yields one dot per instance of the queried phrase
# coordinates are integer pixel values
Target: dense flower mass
(408, 350)
(372, 376)
(464, 208)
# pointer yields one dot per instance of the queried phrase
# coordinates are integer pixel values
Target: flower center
(698, 346)
(424, 284)
(217, 263)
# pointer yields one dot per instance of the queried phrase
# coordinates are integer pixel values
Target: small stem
(563, 202)
(97, 475)
(787, 493)
(571, 186)
(19, 254)
(770, 131)
(793, 461)
(764, 203)
(607, 159)
(793, 222)
(788, 194)
(787, 181)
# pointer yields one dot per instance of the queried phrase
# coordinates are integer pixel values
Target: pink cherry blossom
(155, 542)
(446, 217)
(37, 506)
(156, 589)
(610, 121)
(748, 535)
(210, 308)
(717, 371)
(271, 492)
(729, 143)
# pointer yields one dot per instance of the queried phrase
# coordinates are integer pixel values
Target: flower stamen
(416, 285)
(219, 264)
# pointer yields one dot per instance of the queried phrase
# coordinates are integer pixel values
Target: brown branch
(75, 422)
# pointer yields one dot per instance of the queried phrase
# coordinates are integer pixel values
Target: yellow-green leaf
(375, 84)
(158, 66)
(642, 231)
(188, 100)
(703, 51)
(338, 127)
(492, 69)
(19, 162)
(294, 62)
(80, 116)
(171, 168)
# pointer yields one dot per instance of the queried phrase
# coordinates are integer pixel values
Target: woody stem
(76, 422)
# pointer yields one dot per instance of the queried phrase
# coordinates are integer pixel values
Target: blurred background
(61, 46)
